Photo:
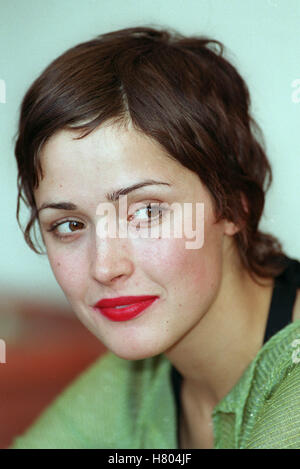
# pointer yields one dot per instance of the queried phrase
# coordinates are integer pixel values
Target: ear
(231, 228)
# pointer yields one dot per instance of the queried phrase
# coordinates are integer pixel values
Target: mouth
(124, 308)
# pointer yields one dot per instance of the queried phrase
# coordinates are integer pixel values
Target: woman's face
(89, 267)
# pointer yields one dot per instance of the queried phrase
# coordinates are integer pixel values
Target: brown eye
(75, 225)
(65, 228)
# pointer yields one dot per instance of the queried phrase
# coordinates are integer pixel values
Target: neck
(213, 355)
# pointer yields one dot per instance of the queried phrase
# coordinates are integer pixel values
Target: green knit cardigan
(118, 404)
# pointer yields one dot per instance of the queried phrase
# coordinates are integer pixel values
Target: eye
(65, 228)
(148, 214)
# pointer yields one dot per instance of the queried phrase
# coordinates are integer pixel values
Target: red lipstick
(131, 306)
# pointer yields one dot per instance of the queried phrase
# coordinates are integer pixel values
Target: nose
(111, 261)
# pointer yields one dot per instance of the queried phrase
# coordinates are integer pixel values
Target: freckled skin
(90, 268)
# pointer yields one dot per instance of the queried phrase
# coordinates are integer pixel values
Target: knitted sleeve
(89, 413)
(278, 423)
(116, 403)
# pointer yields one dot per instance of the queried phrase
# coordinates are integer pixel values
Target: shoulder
(99, 408)
(273, 405)
(278, 356)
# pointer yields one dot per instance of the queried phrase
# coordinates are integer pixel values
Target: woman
(206, 353)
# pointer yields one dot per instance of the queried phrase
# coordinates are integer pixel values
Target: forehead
(84, 171)
(106, 149)
(105, 156)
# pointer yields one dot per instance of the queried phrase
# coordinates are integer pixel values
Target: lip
(136, 305)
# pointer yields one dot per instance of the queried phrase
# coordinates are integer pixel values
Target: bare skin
(196, 425)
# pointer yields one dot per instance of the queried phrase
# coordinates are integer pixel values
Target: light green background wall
(263, 38)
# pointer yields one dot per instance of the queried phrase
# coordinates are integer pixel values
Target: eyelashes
(152, 214)
(54, 227)
(151, 209)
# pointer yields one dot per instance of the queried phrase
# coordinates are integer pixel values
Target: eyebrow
(111, 196)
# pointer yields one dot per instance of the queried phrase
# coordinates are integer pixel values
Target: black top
(280, 315)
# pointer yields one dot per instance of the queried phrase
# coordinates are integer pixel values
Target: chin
(129, 350)
(128, 353)
(129, 344)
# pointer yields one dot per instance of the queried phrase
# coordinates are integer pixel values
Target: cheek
(188, 274)
(69, 271)
(182, 270)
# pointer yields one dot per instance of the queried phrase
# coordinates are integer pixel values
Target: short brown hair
(178, 90)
